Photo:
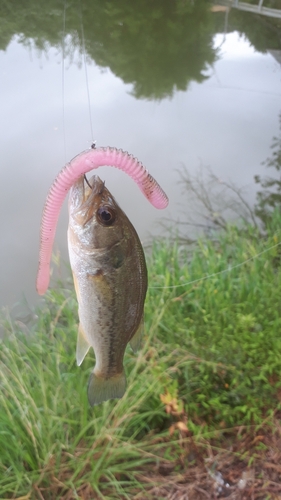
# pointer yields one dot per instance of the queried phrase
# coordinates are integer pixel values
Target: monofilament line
(219, 272)
(86, 71)
(62, 76)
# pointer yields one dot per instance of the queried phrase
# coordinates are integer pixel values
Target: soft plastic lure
(81, 164)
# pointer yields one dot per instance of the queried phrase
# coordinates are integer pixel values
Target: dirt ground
(242, 465)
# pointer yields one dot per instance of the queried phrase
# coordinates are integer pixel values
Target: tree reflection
(262, 32)
(158, 46)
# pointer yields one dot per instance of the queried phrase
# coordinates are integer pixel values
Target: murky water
(166, 84)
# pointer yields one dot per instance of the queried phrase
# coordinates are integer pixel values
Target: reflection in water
(157, 46)
(263, 33)
(159, 52)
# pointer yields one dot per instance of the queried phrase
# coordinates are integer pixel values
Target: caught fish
(110, 279)
(107, 262)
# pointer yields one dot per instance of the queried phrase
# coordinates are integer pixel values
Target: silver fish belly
(110, 279)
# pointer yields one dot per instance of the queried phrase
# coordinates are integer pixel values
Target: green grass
(212, 347)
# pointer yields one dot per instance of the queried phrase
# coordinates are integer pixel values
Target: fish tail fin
(101, 389)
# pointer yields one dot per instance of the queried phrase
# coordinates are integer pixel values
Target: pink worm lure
(79, 165)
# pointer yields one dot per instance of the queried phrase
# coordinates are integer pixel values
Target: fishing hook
(85, 178)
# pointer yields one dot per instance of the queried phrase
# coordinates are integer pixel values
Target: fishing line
(85, 69)
(229, 269)
(62, 76)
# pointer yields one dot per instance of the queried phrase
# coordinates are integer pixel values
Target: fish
(110, 280)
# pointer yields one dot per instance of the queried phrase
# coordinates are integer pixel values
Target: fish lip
(87, 192)
(96, 189)
(97, 185)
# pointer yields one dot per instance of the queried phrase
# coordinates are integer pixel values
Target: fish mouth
(93, 187)
(84, 192)
(94, 184)
(87, 196)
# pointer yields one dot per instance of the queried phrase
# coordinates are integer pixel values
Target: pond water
(178, 86)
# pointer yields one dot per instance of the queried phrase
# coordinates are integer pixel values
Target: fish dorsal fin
(136, 340)
(82, 346)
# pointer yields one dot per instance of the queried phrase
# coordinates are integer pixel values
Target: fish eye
(106, 216)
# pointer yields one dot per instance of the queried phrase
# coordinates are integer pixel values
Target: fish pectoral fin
(101, 389)
(82, 346)
(136, 340)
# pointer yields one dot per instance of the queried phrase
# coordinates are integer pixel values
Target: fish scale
(110, 278)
